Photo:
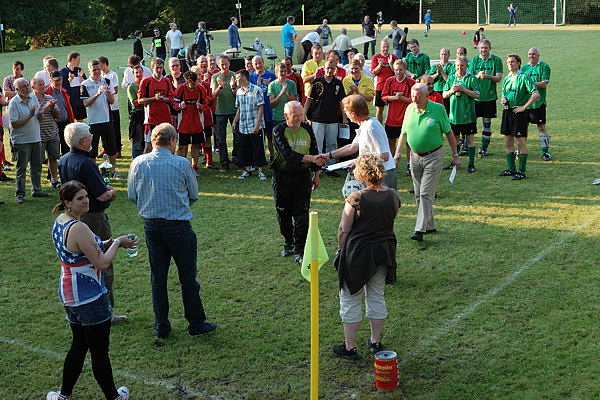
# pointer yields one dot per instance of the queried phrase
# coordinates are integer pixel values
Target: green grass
(536, 338)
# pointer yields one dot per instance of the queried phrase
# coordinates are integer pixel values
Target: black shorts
(378, 100)
(537, 115)
(208, 132)
(514, 124)
(105, 132)
(191, 138)
(393, 132)
(465, 129)
(486, 109)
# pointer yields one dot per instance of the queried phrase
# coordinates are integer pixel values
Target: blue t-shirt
(264, 86)
(427, 19)
(234, 36)
(287, 33)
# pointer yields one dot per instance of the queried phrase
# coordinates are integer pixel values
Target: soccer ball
(352, 186)
(463, 33)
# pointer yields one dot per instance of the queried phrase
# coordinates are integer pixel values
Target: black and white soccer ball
(351, 186)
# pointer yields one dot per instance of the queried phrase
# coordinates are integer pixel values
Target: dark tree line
(49, 23)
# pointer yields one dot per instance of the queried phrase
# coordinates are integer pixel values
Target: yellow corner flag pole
(315, 255)
(314, 305)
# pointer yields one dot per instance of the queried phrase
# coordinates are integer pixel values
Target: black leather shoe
(428, 231)
(418, 236)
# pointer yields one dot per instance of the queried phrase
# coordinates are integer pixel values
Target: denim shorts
(93, 313)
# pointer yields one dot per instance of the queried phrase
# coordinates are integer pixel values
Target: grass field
(502, 303)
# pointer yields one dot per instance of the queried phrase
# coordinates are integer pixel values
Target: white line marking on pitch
(145, 380)
(445, 328)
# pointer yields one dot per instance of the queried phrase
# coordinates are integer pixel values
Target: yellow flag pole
(314, 306)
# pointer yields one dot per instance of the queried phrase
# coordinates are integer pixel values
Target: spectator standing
(24, 112)
(159, 45)
(427, 22)
(50, 65)
(234, 34)
(50, 143)
(163, 186)
(280, 92)
(8, 83)
(249, 122)
(325, 33)
(115, 116)
(381, 69)
(262, 78)
(512, 14)
(295, 77)
(341, 44)
(310, 67)
(368, 29)
(223, 93)
(398, 37)
(380, 20)
(77, 165)
(63, 104)
(129, 75)
(288, 35)
(202, 38)
(155, 94)
(308, 41)
(136, 115)
(73, 75)
(97, 94)
(175, 38)
(138, 47)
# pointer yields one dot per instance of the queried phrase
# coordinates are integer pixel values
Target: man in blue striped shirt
(163, 186)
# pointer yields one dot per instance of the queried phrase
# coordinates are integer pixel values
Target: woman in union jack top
(81, 290)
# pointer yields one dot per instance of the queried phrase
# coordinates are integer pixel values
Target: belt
(428, 152)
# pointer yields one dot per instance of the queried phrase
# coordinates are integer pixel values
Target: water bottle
(132, 251)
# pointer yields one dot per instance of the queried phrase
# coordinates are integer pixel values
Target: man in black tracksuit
(295, 174)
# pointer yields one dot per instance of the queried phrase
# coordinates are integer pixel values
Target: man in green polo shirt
(462, 88)
(417, 63)
(425, 124)
(223, 91)
(518, 94)
(488, 68)
(539, 72)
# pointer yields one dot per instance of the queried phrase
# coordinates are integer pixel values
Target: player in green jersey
(539, 72)
(488, 68)
(417, 63)
(462, 88)
(518, 94)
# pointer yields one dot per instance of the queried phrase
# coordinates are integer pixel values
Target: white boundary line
(507, 280)
(145, 380)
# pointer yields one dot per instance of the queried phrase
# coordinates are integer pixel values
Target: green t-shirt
(439, 83)
(418, 64)
(538, 73)
(132, 91)
(462, 108)
(274, 90)
(517, 89)
(491, 66)
(226, 99)
(299, 141)
(425, 132)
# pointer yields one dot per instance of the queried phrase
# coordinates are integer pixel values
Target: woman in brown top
(367, 256)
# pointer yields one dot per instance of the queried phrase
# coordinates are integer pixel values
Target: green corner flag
(314, 249)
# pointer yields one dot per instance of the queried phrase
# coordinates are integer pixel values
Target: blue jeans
(91, 313)
(176, 239)
(288, 51)
(398, 53)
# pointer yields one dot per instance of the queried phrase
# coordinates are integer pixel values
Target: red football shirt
(385, 72)
(156, 112)
(436, 97)
(340, 73)
(397, 108)
(189, 117)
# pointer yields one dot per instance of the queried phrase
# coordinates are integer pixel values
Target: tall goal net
(485, 12)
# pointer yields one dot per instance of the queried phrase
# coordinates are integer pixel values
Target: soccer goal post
(486, 12)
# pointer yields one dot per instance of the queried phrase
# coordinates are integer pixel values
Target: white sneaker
(262, 176)
(123, 393)
(244, 175)
(55, 396)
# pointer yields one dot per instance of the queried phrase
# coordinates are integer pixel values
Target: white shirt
(129, 76)
(114, 82)
(43, 75)
(175, 38)
(371, 139)
(311, 36)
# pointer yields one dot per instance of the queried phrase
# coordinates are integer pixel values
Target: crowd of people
(308, 123)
